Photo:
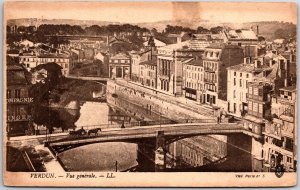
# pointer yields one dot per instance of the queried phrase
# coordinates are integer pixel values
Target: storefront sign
(11, 118)
(19, 100)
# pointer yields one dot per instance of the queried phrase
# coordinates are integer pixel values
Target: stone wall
(155, 101)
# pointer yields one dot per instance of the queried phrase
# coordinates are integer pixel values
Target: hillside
(266, 28)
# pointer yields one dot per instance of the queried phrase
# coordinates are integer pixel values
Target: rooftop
(152, 62)
(241, 34)
(53, 55)
(16, 73)
(194, 62)
(222, 46)
(248, 68)
(196, 45)
(120, 56)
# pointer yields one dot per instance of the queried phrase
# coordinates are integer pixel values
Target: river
(185, 155)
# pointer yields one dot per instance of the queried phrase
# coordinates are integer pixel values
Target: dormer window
(211, 54)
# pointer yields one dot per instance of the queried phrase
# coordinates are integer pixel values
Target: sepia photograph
(150, 94)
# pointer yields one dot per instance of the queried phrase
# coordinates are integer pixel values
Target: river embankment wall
(120, 92)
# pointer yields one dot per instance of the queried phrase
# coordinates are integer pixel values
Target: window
(255, 91)
(233, 93)
(17, 93)
(260, 92)
(66, 65)
(8, 93)
(250, 90)
(241, 74)
(250, 106)
(260, 108)
(241, 83)
(234, 74)
(234, 81)
(247, 75)
(255, 107)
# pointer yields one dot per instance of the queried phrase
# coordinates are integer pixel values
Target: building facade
(19, 102)
(136, 59)
(148, 73)
(216, 59)
(119, 66)
(237, 85)
(280, 137)
(31, 60)
(170, 64)
(193, 79)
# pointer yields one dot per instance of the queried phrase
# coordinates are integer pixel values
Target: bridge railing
(147, 123)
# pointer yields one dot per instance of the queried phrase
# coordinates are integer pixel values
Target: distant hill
(266, 28)
(35, 21)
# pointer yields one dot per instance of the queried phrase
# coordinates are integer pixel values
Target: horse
(94, 131)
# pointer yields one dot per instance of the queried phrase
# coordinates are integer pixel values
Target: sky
(139, 12)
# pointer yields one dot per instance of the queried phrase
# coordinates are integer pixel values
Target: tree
(201, 30)
(279, 33)
(153, 31)
(261, 38)
(151, 42)
(216, 30)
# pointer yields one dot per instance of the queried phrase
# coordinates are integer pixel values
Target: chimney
(257, 30)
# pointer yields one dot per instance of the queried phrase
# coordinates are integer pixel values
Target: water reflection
(101, 157)
(88, 114)
(93, 113)
(181, 157)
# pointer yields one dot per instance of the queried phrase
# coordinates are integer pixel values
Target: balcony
(211, 81)
(283, 100)
(208, 69)
(254, 97)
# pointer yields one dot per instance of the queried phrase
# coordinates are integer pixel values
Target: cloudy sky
(136, 12)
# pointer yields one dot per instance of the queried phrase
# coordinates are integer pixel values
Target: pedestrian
(123, 126)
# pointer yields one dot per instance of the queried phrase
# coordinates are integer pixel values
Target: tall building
(136, 59)
(170, 67)
(247, 39)
(280, 136)
(193, 79)
(237, 85)
(216, 58)
(18, 99)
